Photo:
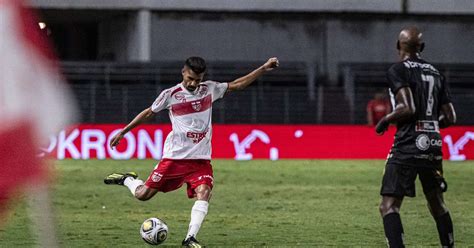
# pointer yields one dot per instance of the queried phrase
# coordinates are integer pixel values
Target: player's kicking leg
(135, 185)
(198, 213)
(119, 178)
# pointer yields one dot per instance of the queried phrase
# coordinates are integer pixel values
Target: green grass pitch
(286, 203)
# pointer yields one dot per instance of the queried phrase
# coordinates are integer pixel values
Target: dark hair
(196, 64)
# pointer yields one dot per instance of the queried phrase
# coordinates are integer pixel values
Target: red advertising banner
(244, 142)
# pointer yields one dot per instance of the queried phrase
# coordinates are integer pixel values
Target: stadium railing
(115, 92)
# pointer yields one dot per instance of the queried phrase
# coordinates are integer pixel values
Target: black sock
(392, 225)
(445, 230)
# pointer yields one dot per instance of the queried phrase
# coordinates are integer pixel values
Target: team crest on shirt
(196, 105)
(156, 177)
(180, 97)
(423, 142)
(202, 90)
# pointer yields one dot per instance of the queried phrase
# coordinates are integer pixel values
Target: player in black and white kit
(422, 105)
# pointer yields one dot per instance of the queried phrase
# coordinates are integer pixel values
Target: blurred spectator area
(116, 92)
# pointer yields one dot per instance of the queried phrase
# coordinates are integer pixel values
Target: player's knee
(383, 209)
(436, 204)
(142, 194)
(205, 196)
(437, 208)
(387, 208)
(203, 192)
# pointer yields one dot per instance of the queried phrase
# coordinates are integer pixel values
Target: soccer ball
(154, 231)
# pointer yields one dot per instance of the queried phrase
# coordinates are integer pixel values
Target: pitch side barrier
(245, 142)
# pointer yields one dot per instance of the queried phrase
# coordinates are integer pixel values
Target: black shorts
(399, 179)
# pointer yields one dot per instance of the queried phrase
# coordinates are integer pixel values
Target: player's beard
(192, 89)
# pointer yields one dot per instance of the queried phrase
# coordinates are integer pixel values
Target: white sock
(198, 213)
(132, 184)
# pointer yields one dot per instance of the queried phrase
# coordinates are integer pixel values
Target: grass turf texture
(302, 203)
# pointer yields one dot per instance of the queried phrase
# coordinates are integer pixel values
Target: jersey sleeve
(445, 92)
(397, 77)
(161, 102)
(217, 89)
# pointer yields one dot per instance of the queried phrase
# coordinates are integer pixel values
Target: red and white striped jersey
(191, 116)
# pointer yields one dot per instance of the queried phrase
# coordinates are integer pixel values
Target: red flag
(34, 103)
(19, 163)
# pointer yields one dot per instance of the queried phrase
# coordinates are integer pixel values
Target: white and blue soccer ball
(154, 231)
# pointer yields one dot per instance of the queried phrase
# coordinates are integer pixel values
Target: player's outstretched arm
(404, 109)
(139, 119)
(243, 82)
(447, 116)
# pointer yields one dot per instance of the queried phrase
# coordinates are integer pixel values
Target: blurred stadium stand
(119, 54)
(116, 92)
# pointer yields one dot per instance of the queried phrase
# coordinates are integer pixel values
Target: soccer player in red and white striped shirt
(187, 149)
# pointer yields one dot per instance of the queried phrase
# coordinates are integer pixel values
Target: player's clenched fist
(271, 64)
(382, 126)
(116, 140)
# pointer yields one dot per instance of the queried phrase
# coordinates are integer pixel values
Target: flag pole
(41, 213)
